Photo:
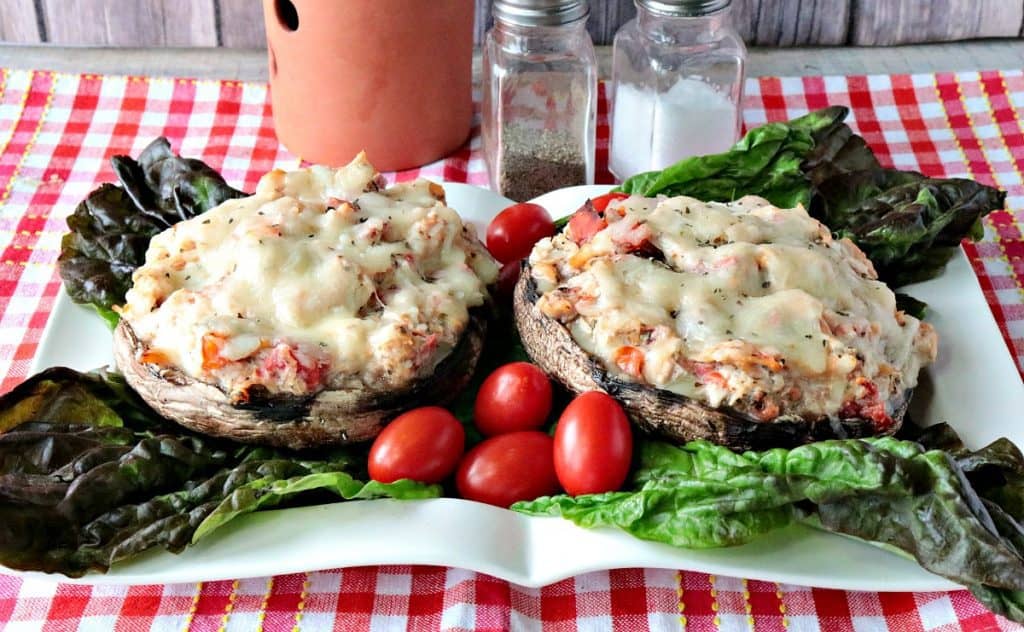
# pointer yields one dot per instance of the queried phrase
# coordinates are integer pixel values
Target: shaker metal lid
(540, 12)
(683, 8)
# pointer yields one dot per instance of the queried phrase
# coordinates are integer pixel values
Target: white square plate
(974, 386)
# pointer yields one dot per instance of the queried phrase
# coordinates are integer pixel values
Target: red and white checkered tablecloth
(57, 132)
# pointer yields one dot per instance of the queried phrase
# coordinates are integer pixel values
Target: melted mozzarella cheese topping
(320, 279)
(741, 304)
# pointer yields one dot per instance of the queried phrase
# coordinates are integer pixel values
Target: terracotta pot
(391, 77)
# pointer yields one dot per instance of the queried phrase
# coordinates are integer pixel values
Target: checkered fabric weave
(57, 132)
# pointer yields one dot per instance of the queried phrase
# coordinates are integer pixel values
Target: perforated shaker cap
(683, 8)
(540, 12)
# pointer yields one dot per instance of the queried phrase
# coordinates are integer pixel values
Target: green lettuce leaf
(90, 475)
(938, 518)
(996, 471)
(61, 395)
(270, 491)
(884, 490)
(908, 225)
(910, 305)
(110, 230)
(704, 495)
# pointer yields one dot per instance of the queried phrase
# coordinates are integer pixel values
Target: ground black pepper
(534, 162)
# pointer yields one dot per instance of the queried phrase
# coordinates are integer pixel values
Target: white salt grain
(652, 131)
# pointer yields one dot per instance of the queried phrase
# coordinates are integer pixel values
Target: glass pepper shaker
(539, 97)
(677, 84)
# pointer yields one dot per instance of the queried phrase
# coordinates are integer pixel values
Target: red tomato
(593, 445)
(601, 202)
(516, 396)
(508, 468)
(508, 277)
(423, 444)
(585, 223)
(512, 233)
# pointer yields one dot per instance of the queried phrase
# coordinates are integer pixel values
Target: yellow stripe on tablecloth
(3, 84)
(17, 119)
(749, 607)
(195, 604)
(984, 156)
(302, 602)
(782, 605)
(32, 140)
(229, 607)
(1009, 151)
(21, 105)
(682, 604)
(263, 604)
(717, 621)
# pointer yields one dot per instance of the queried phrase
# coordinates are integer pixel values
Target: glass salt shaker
(677, 84)
(539, 97)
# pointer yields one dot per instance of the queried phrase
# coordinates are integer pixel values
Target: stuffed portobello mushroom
(740, 323)
(309, 313)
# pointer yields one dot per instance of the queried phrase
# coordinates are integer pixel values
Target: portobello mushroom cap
(662, 412)
(328, 417)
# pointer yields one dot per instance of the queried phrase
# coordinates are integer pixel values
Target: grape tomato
(424, 445)
(508, 468)
(513, 232)
(593, 445)
(516, 396)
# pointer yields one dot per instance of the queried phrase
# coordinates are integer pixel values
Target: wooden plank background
(239, 23)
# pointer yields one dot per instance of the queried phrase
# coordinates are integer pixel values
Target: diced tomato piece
(708, 374)
(634, 238)
(725, 263)
(313, 375)
(279, 359)
(716, 378)
(771, 363)
(868, 406)
(601, 202)
(212, 344)
(151, 356)
(630, 360)
(283, 360)
(870, 389)
(429, 346)
(585, 223)
(766, 409)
